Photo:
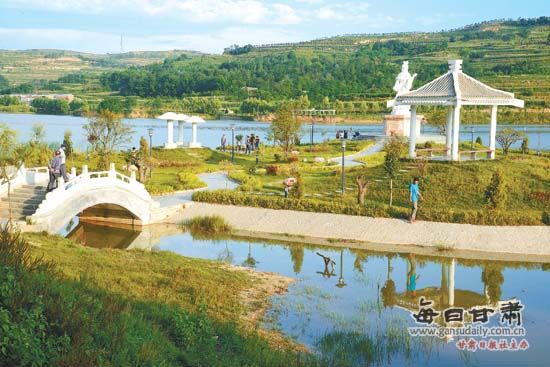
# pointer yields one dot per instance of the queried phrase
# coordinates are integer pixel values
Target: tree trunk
(391, 191)
(361, 189)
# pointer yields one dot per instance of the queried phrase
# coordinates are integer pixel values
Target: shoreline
(435, 238)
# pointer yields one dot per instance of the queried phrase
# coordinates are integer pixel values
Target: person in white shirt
(63, 167)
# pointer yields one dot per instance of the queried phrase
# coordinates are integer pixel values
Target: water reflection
(353, 307)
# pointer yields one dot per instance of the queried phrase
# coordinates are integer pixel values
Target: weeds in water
(208, 227)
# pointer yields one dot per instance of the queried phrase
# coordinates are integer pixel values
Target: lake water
(358, 313)
(209, 134)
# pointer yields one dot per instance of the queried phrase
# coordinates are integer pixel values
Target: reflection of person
(414, 197)
(412, 277)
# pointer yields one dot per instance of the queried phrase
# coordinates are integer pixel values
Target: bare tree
(362, 186)
(9, 164)
(507, 137)
(107, 132)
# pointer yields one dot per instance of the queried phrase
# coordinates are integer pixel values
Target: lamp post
(311, 142)
(232, 143)
(258, 155)
(343, 141)
(150, 131)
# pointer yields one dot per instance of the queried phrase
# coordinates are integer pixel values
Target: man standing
(54, 171)
(63, 167)
(223, 142)
(414, 196)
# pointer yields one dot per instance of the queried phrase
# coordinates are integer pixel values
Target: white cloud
(346, 11)
(195, 11)
(71, 39)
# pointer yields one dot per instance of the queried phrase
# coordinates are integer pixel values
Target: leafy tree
(79, 107)
(143, 147)
(68, 141)
(285, 128)
(495, 193)
(49, 106)
(298, 189)
(525, 145)
(507, 137)
(112, 104)
(38, 132)
(394, 149)
(9, 101)
(326, 102)
(4, 82)
(107, 132)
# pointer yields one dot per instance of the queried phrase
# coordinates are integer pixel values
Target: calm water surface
(209, 134)
(348, 314)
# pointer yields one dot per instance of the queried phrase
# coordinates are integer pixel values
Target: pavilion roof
(455, 87)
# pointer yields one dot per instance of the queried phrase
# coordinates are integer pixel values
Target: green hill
(352, 73)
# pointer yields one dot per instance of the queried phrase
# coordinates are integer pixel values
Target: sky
(211, 25)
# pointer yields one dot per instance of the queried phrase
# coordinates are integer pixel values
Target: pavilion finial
(455, 65)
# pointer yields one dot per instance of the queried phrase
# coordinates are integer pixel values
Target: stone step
(18, 198)
(16, 214)
(38, 187)
(18, 206)
(22, 200)
(29, 191)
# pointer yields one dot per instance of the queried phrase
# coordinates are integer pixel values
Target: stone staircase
(24, 201)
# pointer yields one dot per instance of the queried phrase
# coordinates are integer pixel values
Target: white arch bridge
(100, 196)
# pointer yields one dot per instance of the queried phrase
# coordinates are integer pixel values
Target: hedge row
(373, 209)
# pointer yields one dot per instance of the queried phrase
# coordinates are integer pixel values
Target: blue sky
(211, 25)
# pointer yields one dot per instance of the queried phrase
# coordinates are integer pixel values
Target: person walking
(257, 142)
(223, 142)
(414, 196)
(286, 189)
(54, 170)
(63, 157)
(247, 145)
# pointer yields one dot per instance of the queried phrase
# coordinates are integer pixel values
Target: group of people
(57, 168)
(347, 134)
(251, 143)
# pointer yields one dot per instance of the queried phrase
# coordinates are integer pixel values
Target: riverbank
(521, 240)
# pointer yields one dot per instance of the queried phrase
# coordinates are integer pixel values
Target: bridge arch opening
(109, 214)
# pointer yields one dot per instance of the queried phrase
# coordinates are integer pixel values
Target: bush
(248, 182)
(190, 181)
(272, 169)
(495, 194)
(208, 226)
(373, 209)
(292, 158)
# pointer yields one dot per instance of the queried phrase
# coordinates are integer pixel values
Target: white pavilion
(181, 118)
(454, 90)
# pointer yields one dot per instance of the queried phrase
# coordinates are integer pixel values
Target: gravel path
(350, 160)
(507, 239)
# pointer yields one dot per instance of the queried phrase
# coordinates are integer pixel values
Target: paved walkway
(213, 181)
(350, 160)
(506, 239)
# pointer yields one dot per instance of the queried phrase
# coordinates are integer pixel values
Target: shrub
(208, 226)
(277, 157)
(495, 194)
(479, 141)
(190, 181)
(272, 169)
(248, 182)
(372, 209)
(292, 158)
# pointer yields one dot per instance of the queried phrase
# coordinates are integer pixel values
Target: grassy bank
(66, 305)
(453, 192)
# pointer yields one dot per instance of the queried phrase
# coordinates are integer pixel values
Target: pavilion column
(180, 132)
(194, 134)
(452, 282)
(493, 131)
(412, 133)
(456, 131)
(169, 133)
(449, 132)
